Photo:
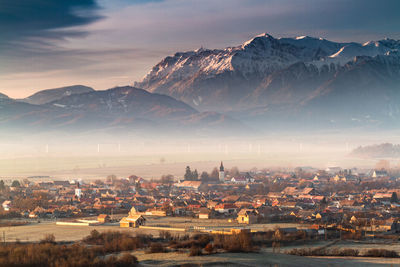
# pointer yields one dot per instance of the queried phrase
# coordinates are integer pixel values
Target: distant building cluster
(349, 199)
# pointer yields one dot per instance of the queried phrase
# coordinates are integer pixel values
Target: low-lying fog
(87, 156)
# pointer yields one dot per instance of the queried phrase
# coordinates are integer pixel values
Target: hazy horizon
(71, 158)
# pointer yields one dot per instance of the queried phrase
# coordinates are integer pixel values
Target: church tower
(221, 173)
(78, 191)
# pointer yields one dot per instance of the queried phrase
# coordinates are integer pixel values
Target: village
(323, 203)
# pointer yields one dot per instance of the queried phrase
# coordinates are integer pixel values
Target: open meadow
(34, 231)
(256, 259)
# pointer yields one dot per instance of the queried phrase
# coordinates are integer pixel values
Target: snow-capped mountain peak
(260, 69)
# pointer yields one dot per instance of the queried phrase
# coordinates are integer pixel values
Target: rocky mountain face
(49, 95)
(283, 80)
(118, 109)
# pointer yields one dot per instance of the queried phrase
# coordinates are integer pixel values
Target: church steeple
(221, 173)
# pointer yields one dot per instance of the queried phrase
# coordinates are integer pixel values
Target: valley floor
(257, 259)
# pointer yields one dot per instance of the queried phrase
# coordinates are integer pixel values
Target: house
(6, 205)
(230, 199)
(290, 191)
(37, 212)
(138, 209)
(339, 178)
(103, 218)
(308, 191)
(384, 196)
(225, 208)
(333, 170)
(189, 185)
(212, 204)
(157, 212)
(379, 173)
(204, 213)
(132, 221)
(243, 179)
(353, 219)
(318, 216)
(239, 180)
(247, 216)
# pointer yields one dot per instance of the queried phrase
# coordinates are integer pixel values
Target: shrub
(241, 242)
(156, 248)
(349, 252)
(165, 235)
(116, 241)
(49, 238)
(202, 239)
(49, 254)
(127, 259)
(195, 251)
(381, 253)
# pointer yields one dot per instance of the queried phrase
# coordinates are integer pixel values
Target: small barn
(132, 221)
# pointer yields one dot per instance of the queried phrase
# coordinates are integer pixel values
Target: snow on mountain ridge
(194, 75)
(261, 54)
(371, 49)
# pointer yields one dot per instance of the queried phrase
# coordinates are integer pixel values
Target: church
(221, 173)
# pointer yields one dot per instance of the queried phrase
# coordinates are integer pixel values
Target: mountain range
(265, 83)
(79, 109)
(288, 81)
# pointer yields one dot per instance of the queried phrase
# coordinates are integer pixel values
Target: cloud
(57, 67)
(25, 22)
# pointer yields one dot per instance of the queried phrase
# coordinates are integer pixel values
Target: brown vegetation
(116, 241)
(381, 253)
(347, 252)
(324, 252)
(156, 248)
(195, 251)
(48, 254)
(241, 242)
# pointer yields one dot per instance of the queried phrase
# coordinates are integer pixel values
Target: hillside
(122, 109)
(49, 95)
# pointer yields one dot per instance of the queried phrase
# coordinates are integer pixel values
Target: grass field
(255, 259)
(36, 231)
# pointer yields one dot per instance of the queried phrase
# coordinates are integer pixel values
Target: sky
(106, 43)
